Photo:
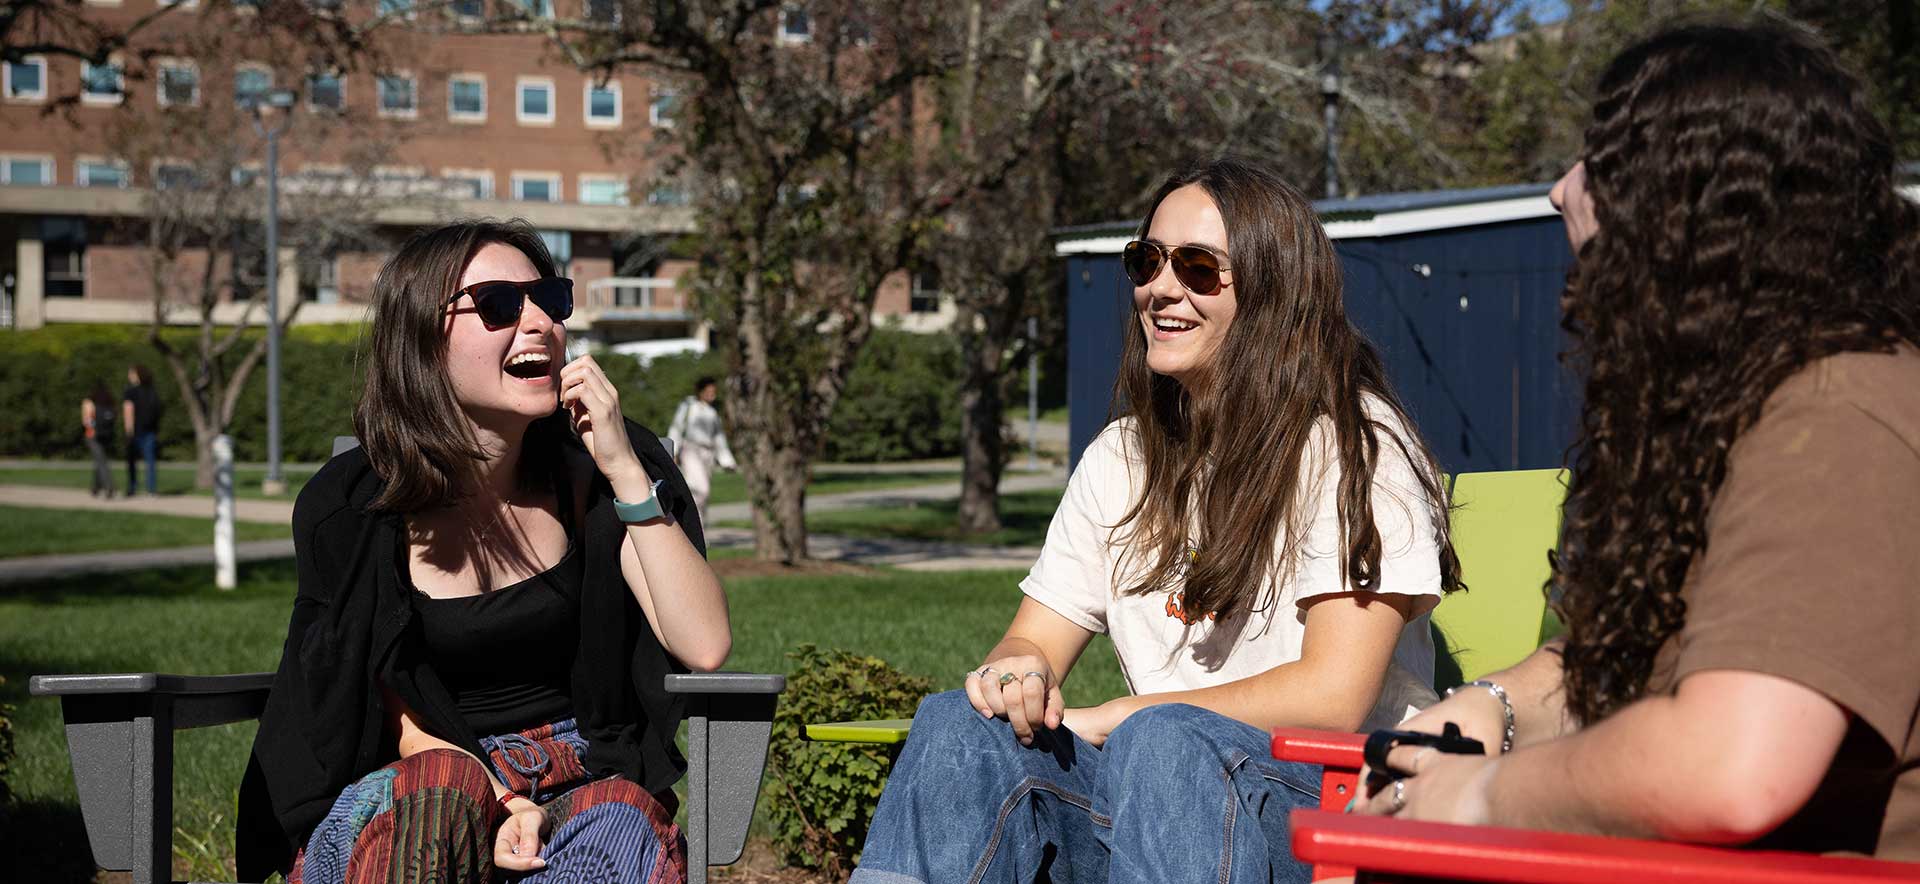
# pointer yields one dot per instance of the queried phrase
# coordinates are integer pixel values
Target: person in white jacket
(700, 444)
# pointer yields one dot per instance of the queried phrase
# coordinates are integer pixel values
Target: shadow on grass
(46, 839)
(1024, 517)
(157, 583)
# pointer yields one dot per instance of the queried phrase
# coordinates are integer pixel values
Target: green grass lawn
(36, 531)
(935, 625)
(731, 487)
(1024, 517)
(170, 480)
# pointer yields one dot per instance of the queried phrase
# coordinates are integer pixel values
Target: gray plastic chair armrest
(726, 683)
(344, 444)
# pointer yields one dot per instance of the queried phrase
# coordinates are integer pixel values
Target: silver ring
(983, 671)
(1399, 796)
(1039, 675)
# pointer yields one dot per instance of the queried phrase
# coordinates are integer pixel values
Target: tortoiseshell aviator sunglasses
(1198, 268)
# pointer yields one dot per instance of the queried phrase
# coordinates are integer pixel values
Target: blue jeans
(1177, 794)
(145, 446)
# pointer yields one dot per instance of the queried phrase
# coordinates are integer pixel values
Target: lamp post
(1330, 108)
(263, 106)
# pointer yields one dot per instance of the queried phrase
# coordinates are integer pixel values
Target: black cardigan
(352, 630)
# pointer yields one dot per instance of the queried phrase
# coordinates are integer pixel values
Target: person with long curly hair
(1262, 534)
(1741, 547)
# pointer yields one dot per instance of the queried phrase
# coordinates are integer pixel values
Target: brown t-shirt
(1812, 573)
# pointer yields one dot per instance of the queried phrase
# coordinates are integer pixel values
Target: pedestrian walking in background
(96, 421)
(699, 441)
(140, 414)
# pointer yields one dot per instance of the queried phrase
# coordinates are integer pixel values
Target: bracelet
(509, 796)
(1506, 706)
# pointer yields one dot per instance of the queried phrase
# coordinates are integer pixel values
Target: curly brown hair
(1749, 224)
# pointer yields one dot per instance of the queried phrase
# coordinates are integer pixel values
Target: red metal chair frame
(1381, 849)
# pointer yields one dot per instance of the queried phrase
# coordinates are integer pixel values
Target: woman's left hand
(1442, 787)
(1095, 723)
(593, 407)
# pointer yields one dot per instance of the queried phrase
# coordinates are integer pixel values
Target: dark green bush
(902, 401)
(819, 797)
(6, 756)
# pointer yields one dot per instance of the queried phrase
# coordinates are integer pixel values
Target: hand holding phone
(1381, 743)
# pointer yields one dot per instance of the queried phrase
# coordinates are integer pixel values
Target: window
(395, 8)
(795, 25)
(247, 6)
(183, 4)
(666, 103)
(604, 11)
(468, 184)
(320, 280)
(100, 173)
(251, 85)
(179, 84)
(603, 190)
(536, 100)
(175, 176)
(101, 83)
(65, 258)
(246, 176)
(26, 171)
(27, 79)
(326, 91)
(469, 9)
(603, 104)
(537, 8)
(467, 97)
(925, 295)
(666, 195)
(536, 187)
(325, 6)
(399, 96)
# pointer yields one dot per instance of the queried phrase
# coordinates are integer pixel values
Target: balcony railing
(632, 297)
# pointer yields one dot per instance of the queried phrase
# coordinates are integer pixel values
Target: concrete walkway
(908, 554)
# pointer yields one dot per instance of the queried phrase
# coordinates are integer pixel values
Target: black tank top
(507, 655)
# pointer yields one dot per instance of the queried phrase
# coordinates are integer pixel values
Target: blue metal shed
(1459, 289)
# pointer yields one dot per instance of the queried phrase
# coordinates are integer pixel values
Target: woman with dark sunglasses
(1737, 563)
(491, 590)
(1261, 532)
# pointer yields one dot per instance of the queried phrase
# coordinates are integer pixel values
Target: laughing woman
(491, 590)
(1261, 533)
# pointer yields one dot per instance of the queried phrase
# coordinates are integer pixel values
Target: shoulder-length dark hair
(1748, 224)
(1290, 360)
(416, 437)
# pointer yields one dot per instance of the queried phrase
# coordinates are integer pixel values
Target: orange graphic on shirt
(1176, 601)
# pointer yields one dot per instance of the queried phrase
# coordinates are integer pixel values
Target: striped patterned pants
(432, 818)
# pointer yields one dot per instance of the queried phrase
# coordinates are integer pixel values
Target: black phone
(1382, 742)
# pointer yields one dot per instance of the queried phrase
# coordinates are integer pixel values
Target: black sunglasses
(1196, 267)
(499, 302)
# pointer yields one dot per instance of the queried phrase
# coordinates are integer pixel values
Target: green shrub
(902, 401)
(820, 796)
(6, 756)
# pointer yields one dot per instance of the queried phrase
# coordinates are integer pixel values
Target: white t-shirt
(1078, 577)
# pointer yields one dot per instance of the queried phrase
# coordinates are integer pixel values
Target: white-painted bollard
(223, 570)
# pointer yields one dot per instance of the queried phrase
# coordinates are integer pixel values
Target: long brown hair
(1290, 359)
(1748, 225)
(414, 432)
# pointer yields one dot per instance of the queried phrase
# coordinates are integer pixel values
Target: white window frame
(95, 100)
(467, 116)
(154, 170)
(183, 4)
(453, 9)
(536, 8)
(80, 164)
(520, 114)
(586, 105)
(105, 2)
(340, 77)
(619, 12)
(380, 98)
(780, 28)
(46, 166)
(160, 67)
(484, 176)
(626, 188)
(39, 61)
(654, 118)
(553, 179)
(656, 195)
(412, 11)
(253, 66)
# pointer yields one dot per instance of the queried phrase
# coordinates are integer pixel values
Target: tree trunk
(776, 477)
(203, 457)
(983, 445)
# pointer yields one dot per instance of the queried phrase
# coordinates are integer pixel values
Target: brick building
(443, 122)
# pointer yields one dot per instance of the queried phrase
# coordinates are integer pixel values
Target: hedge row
(902, 401)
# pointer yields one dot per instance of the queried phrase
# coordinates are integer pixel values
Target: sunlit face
(1570, 196)
(507, 375)
(1184, 330)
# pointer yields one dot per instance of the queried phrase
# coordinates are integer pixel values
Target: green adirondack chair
(1503, 525)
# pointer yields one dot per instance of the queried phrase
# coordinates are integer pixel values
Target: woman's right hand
(517, 847)
(1029, 700)
(1479, 714)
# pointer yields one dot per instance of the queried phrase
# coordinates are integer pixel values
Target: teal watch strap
(643, 511)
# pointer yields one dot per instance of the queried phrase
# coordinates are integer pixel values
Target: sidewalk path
(908, 554)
